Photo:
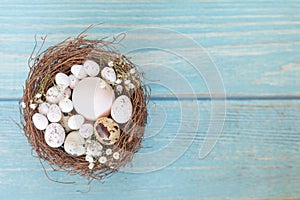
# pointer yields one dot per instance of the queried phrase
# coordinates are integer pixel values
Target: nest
(60, 58)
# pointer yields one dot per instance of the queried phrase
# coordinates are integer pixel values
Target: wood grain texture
(247, 41)
(256, 157)
(255, 46)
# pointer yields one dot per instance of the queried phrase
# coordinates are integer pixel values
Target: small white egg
(75, 122)
(121, 109)
(54, 94)
(64, 122)
(91, 68)
(40, 121)
(62, 80)
(54, 135)
(74, 144)
(73, 81)
(86, 130)
(78, 71)
(44, 108)
(66, 105)
(109, 74)
(67, 93)
(54, 114)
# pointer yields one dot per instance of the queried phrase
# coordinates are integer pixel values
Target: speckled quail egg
(106, 131)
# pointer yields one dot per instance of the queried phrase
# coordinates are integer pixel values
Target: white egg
(44, 108)
(54, 114)
(78, 71)
(67, 93)
(109, 74)
(54, 94)
(91, 99)
(86, 130)
(121, 109)
(62, 80)
(75, 122)
(73, 81)
(66, 105)
(40, 121)
(74, 144)
(91, 68)
(54, 135)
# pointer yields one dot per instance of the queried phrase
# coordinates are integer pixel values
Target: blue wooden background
(254, 44)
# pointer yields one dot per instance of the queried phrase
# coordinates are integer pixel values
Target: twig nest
(106, 131)
(40, 121)
(55, 135)
(83, 107)
(93, 98)
(121, 109)
(74, 144)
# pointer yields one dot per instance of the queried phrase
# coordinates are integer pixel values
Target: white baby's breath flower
(89, 158)
(23, 105)
(118, 81)
(38, 95)
(132, 71)
(119, 88)
(102, 159)
(91, 165)
(127, 82)
(33, 106)
(110, 63)
(116, 155)
(131, 86)
(108, 152)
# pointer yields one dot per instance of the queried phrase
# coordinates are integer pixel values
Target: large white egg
(92, 98)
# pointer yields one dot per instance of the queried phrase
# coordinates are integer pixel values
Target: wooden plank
(256, 157)
(252, 46)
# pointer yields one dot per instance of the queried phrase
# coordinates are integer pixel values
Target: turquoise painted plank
(252, 44)
(256, 157)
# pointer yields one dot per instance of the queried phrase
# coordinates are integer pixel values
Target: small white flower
(102, 159)
(91, 165)
(118, 81)
(33, 106)
(127, 82)
(131, 86)
(89, 158)
(108, 152)
(132, 71)
(110, 63)
(23, 105)
(116, 155)
(38, 95)
(119, 88)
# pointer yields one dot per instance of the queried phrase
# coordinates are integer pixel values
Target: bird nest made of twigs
(84, 107)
